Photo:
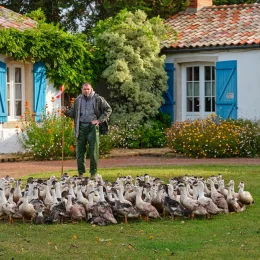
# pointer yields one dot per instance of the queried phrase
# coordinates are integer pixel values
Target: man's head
(86, 89)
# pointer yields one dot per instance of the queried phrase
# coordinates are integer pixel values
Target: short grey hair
(86, 83)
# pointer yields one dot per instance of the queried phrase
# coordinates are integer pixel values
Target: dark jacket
(101, 107)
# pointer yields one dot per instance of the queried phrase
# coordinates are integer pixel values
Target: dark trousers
(88, 135)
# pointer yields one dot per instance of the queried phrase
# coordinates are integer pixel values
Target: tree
(232, 2)
(134, 70)
(82, 15)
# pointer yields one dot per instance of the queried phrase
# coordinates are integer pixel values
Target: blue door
(39, 86)
(226, 89)
(168, 106)
(3, 96)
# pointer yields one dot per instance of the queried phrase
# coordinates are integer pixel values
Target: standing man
(88, 110)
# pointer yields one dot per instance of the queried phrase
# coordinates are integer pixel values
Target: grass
(233, 236)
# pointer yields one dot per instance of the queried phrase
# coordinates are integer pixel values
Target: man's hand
(95, 122)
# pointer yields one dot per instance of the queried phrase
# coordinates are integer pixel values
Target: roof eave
(209, 48)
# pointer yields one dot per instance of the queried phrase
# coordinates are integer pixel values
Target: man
(88, 110)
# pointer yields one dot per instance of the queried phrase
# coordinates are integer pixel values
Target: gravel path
(23, 168)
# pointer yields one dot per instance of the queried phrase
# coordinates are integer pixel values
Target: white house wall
(248, 78)
(8, 136)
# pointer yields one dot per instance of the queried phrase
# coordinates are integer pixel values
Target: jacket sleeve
(105, 110)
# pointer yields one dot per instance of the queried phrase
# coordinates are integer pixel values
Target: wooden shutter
(3, 97)
(168, 106)
(226, 89)
(39, 86)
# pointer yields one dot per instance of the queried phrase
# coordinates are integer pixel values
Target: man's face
(86, 90)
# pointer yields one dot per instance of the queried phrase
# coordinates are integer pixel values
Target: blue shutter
(226, 89)
(39, 87)
(3, 97)
(168, 106)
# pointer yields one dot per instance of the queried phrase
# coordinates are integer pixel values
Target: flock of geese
(102, 202)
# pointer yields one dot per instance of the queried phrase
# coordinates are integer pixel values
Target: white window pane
(189, 104)
(207, 89)
(189, 89)
(196, 73)
(8, 108)
(196, 89)
(189, 73)
(18, 75)
(213, 89)
(213, 105)
(207, 104)
(7, 75)
(18, 108)
(8, 91)
(196, 104)
(18, 91)
(207, 73)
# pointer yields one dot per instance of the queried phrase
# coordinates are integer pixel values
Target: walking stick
(63, 129)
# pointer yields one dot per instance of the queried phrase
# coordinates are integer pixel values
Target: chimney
(196, 5)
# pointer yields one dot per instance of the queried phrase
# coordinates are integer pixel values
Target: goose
(101, 214)
(39, 218)
(207, 203)
(17, 191)
(191, 204)
(232, 185)
(157, 200)
(217, 197)
(130, 194)
(145, 209)
(27, 210)
(10, 208)
(233, 204)
(73, 210)
(174, 208)
(222, 189)
(244, 197)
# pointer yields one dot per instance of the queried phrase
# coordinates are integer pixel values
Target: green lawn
(233, 236)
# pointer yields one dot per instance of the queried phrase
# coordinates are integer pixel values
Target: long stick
(62, 138)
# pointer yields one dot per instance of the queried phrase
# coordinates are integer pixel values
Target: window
(193, 89)
(210, 91)
(200, 91)
(15, 91)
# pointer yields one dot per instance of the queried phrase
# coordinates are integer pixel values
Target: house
(20, 82)
(214, 64)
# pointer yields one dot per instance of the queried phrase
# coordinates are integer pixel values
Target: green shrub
(149, 135)
(43, 140)
(213, 137)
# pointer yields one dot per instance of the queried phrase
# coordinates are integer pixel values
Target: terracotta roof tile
(216, 26)
(10, 19)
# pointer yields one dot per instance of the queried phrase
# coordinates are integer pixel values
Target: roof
(11, 19)
(231, 25)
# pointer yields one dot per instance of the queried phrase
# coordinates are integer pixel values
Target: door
(226, 89)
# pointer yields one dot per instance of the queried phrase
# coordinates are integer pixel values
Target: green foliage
(234, 2)
(164, 9)
(43, 140)
(83, 15)
(126, 134)
(214, 137)
(68, 57)
(134, 68)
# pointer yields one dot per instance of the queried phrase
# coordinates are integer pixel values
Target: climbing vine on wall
(69, 57)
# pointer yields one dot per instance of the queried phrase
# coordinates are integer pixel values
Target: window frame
(11, 68)
(202, 104)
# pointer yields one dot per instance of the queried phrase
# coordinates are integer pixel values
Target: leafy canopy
(68, 57)
(133, 68)
(82, 15)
